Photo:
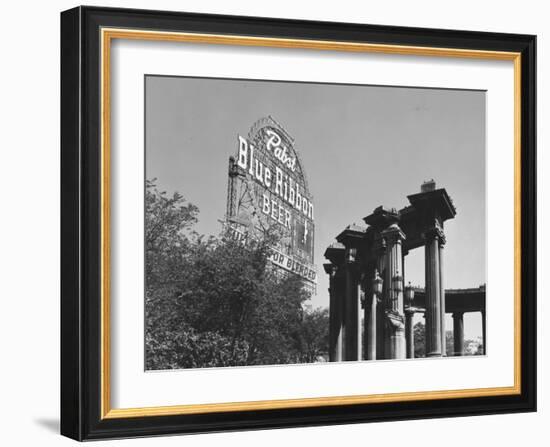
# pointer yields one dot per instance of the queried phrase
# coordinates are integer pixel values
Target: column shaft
(380, 329)
(484, 333)
(427, 347)
(335, 318)
(339, 349)
(442, 295)
(433, 298)
(371, 327)
(332, 334)
(359, 326)
(395, 318)
(351, 345)
(409, 333)
(380, 332)
(458, 333)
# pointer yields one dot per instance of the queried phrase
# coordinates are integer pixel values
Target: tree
(314, 335)
(168, 223)
(217, 302)
(449, 343)
(184, 347)
(234, 291)
(419, 340)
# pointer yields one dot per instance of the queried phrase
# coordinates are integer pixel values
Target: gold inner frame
(107, 35)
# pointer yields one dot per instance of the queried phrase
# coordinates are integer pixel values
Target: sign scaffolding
(268, 191)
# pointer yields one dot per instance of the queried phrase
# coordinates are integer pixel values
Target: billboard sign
(268, 189)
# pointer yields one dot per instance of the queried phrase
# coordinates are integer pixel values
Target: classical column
(381, 249)
(458, 333)
(395, 318)
(351, 318)
(335, 314)
(371, 328)
(427, 347)
(409, 332)
(433, 294)
(371, 313)
(442, 294)
(484, 333)
(360, 299)
(365, 302)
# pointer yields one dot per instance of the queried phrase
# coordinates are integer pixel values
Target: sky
(361, 147)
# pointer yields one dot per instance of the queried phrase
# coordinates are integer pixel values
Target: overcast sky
(361, 147)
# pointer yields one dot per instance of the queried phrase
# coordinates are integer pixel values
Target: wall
(29, 286)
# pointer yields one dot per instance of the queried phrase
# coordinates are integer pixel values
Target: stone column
(434, 346)
(484, 333)
(458, 333)
(335, 315)
(360, 299)
(371, 328)
(426, 338)
(371, 307)
(379, 305)
(351, 317)
(365, 303)
(409, 332)
(395, 318)
(442, 294)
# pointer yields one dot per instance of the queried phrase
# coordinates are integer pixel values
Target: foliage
(168, 223)
(420, 342)
(314, 335)
(187, 348)
(216, 302)
(449, 343)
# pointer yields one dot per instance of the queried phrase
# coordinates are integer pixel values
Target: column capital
(393, 233)
(458, 314)
(434, 233)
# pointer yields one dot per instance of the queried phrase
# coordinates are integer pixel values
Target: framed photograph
(276, 223)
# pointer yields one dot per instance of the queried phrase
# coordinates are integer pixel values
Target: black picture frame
(81, 208)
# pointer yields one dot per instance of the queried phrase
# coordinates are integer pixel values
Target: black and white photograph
(290, 223)
(296, 223)
(302, 222)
